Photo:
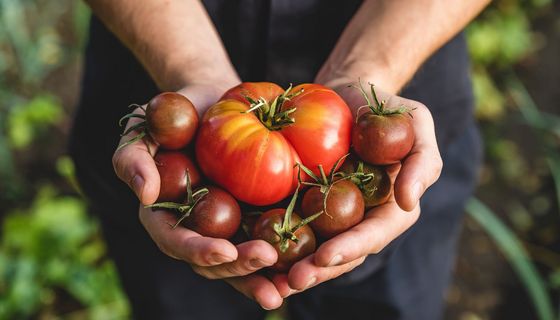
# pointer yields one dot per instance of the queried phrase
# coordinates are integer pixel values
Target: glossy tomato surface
(345, 208)
(172, 167)
(216, 215)
(265, 229)
(171, 120)
(383, 139)
(377, 190)
(239, 152)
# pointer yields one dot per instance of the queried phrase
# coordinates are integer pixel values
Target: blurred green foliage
(53, 261)
(52, 254)
(521, 143)
(29, 120)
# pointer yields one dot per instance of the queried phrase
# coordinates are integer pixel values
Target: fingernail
(292, 291)
(217, 258)
(257, 263)
(335, 261)
(311, 282)
(138, 185)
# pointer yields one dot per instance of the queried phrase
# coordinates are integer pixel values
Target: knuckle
(165, 248)
(378, 244)
(438, 166)
(119, 166)
(232, 269)
(203, 272)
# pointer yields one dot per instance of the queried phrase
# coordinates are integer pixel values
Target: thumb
(134, 164)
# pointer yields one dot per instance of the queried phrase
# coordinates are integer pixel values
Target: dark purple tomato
(216, 215)
(265, 229)
(345, 208)
(173, 167)
(382, 139)
(171, 120)
(377, 189)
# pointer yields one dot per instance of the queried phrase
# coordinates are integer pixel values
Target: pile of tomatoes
(261, 144)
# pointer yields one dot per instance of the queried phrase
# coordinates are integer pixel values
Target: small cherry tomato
(382, 136)
(292, 238)
(266, 229)
(172, 167)
(216, 215)
(170, 120)
(373, 181)
(344, 208)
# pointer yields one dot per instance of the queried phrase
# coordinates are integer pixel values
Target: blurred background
(53, 261)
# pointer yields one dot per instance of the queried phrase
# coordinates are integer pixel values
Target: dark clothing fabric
(283, 42)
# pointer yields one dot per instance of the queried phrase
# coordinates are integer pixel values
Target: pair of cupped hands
(236, 264)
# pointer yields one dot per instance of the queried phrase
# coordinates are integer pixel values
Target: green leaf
(515, 253)
(28, 120)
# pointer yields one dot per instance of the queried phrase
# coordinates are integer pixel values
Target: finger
(252, 256)
(305, 274)
(422, 167)
(134, 165)
(184, 244)
(280, 281)
(380, 226)
(258, 288)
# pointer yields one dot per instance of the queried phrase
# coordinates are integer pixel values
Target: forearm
(174, 40)
(388, 40)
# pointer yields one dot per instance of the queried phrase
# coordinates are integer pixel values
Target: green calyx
(285, 231)
(377, 107)
(360, 178)
(271, 113)
(185, 208)
(324, 182)
(140, 126)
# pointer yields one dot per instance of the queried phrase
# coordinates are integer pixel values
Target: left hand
(382, 224)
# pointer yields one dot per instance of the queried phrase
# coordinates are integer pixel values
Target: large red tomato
(250, 141)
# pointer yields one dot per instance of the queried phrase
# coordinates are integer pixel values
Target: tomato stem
(138, 126)
(133, 140)
(186, 208)
(271, 113)
(361, 179)
(378, 107)
(286, 232)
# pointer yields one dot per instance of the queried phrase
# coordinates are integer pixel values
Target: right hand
(209, 257)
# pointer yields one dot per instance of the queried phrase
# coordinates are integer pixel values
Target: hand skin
(209, 257)
(382, 224)
(385, 43)
(178, 45)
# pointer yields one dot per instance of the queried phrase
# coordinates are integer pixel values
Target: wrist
(205, 92)
(380, 74)
(177, 76)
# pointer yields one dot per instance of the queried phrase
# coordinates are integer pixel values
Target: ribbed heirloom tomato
(251, 140)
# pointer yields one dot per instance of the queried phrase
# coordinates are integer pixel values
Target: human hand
(216, 258)
(381, 225)
(209, 257)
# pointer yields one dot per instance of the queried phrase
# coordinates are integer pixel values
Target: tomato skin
(237, 152)
(216, 215)
(345, 205)
(323, 128)
(378, 190)
(171, 120)
(264, 229)
(172, 167)
(382, 140)
(256, 164)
